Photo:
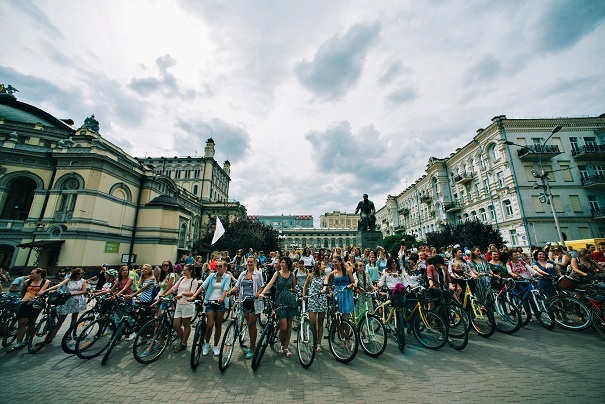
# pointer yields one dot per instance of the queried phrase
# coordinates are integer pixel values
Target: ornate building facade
(492, 179)
(69, 197)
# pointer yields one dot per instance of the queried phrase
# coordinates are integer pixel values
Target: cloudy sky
(313, 102)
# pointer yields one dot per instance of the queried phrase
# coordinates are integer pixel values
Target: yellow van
(577, 244)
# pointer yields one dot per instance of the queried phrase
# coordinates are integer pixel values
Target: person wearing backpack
(27, 312)
(75, 285)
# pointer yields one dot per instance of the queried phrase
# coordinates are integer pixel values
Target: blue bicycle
(528, 298)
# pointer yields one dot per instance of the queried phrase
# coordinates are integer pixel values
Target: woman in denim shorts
(215, 287)
(185, 288)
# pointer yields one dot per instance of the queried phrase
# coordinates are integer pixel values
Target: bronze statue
(368, 214)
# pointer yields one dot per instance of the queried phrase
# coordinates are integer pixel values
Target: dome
(17, 111)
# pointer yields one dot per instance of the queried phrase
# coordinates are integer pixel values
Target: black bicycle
(155, 336)
(236, 332)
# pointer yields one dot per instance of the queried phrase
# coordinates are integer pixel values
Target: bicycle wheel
(306, 342)
(598, 320)
(400, 335)
(430, 329)
(372, 335)
(261, 346)
(543, 311)
(343, 340)
(506, 316)
(227, 346)
(95, 338)
(10, 333)
(68, 342)
(115, 338)
(482, 319)
(243, 332)
(37, 341)
(458, 326)
(523, 308)
(198, 343)
(570, 313)
(151, 341)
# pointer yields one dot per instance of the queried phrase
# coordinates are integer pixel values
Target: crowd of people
(280, 275)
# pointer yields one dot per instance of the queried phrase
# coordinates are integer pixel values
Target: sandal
(281, 351)
(319, 349)
(287, 353)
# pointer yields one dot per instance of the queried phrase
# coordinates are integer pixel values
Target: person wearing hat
(109, 276)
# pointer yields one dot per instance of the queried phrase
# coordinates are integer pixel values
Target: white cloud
(313, 102)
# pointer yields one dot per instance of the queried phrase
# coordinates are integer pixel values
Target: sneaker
(249, 355)
(247, 350)
(216, 351)
(131, 336)
(180, 348)
(145, 353)
(206, 349)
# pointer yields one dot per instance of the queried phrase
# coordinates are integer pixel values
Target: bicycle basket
(58, 298)
(567, 283)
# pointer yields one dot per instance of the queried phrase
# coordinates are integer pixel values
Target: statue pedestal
(369, 239)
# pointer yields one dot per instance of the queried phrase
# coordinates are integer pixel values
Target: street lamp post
(546, 196)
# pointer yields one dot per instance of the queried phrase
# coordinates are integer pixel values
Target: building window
(483, 215)
(474, 215)
(507, 207)
(196, 173)
(195, 189)
(583, 172)
(492, 212)
(482, 161)
(486, 185)
(590, 141)
(187, 173)
(514, 238)
(574, 143)
(177, 174)
(477, 192)
(599, 170)
(500, 179)
(67, 200)
(594, 204)
(492, 152)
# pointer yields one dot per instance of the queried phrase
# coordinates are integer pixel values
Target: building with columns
(491, 180)
(69, 197)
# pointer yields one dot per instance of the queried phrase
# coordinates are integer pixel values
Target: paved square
(534, 365)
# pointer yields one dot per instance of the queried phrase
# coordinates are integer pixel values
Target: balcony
(463, 178)
(594, 181)
(589, 152)
(598, 214)
(404, 211)
(535, 152)
(426, 199)
(451, 207)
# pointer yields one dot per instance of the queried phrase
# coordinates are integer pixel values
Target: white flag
(219, 230)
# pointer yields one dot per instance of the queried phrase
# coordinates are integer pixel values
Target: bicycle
(267, 337)
(155, 336)
(393, 320)
(48, 321)
(68, 342)
(372, 331)
(200, 334)
(481, 315)
(570, 313)
(306, 339)
(507, 316)
(237, 330)
(343, 339)
(457, 318)
(597, 307)
(429, 328)
(8, 318)
(530, 298)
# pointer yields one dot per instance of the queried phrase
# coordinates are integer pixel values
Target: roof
(163, 200)
(13, 110)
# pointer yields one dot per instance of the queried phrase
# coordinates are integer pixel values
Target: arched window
(182, 235)
(195, 188)
(69, 187)
(492, 152)
(507, 207)
(19, 199)
(483, 215)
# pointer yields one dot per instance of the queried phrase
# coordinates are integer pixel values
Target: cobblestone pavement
(534, 365)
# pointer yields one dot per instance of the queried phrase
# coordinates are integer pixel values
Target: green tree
(392, 243)
(241, 233)
(468, 234)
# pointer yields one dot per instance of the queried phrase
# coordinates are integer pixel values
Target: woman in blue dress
(343, 281)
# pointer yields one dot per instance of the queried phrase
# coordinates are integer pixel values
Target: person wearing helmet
(110, 277)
